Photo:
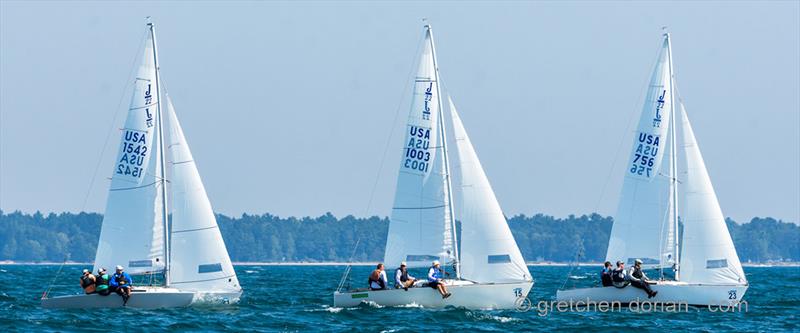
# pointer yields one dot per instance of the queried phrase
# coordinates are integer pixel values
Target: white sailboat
(704, 264)
(154, 172)
(488, 271)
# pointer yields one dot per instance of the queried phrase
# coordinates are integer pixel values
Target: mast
(673, 170)
(448, 182)
(162, 164)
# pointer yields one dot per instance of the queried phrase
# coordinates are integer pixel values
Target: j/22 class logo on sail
(659, 106)
(418, 156)
(426, 108)
(148, 99)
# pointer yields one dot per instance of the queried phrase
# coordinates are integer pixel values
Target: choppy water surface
(299, 298)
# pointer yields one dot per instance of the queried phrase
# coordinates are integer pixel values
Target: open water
(299, 298)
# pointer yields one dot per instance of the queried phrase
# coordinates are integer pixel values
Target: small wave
(326, 308)
(334, 309)
(372, 304)
(576, 277)
(410, 305)
(486, 316)
(5, 297)
(389, 331)
(504, 319)
(249, 271)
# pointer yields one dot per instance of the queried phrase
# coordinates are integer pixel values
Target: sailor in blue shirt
(121, 283)
(436, 279)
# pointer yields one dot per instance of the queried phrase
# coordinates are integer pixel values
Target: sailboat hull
(464, 294)
(146, 298)
(668, 292)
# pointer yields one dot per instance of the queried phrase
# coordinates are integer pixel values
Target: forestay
(642, 219)
(199, 260)
(419, 230)
(708, 254)
(132, 232)
(489, 252)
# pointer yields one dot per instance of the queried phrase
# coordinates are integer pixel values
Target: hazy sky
(288, 107)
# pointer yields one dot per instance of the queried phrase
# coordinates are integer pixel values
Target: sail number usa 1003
(417, 155)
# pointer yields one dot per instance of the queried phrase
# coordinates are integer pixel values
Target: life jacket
(86, 281)
(618, 278)
(101, 281)
(87, 284)
(376, 277)
(403, 275)
(605, 277)
(618, 275)
(437, 274)
(637, 273)
(120, 279)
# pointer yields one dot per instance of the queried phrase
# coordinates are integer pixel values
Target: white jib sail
(132, 233)
(199, 260)
(417, 231)
(489, 252)
(642, 213)
(708, 254)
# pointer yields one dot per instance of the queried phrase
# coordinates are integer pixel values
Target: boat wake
(213, 299)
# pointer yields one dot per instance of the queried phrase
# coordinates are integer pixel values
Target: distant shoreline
(336, 263)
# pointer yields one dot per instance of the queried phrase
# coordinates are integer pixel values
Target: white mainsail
(199, 260)
(643, 212)
(489, 252)
(419, 231)
(708, 254)
(132, 232)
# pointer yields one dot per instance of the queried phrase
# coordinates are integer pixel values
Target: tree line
(269, 238)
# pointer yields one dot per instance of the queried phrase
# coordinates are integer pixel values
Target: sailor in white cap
(122, 283)
(402, 279)
(639, 280)
(436, 279)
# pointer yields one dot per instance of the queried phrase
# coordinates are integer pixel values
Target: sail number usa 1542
(133, 154)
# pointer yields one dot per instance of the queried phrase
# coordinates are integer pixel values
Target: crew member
(402, 279)
(101, 282)
(377, 279)
(618, 276)
(639, 280)
(87, 282)
(605, 275)
(436, 279)
(122, 283)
